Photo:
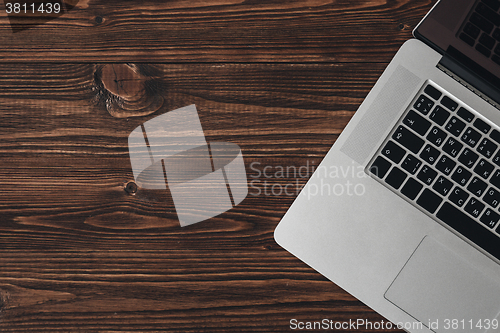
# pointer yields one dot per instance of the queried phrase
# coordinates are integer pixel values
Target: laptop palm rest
(434, 287)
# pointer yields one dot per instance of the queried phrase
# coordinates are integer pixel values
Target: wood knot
(128, 90)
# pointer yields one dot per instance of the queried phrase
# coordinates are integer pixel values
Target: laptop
(403, 212)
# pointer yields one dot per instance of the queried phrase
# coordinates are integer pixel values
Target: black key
(497, 51)
(492, 197)
(411, 188)
(433, 92)
(474, 207)
(394, 152)
(468, 157)
(395, 178)
(411, 164)
(468, 39)
(455, 126)
(449, 103)
(436, 136)
(442, 186)
(487, 41)
(452, 146)
(471, 30)
(482, 126)
(487, 148)
(489, 14)
(495, 179)
(380, 167)
(496, 34)
(416, 122)
(490, 218)
(458, 196)
(429, 154)
(496, 58)
(484, 168)
(477, 186)
(483, 50)
(439, 115)
(470, 137)
(494, 4)
(481, 22)
(429, 200)
(461, 175)
(408, 139)
(427, 175)
(465, 114)
(445, 164)
(495, 135)
(423, 104)
(466, 226)
(496, 159)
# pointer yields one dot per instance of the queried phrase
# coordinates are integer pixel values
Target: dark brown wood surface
(281, 79)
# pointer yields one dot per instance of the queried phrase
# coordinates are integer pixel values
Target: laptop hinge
(471, 75)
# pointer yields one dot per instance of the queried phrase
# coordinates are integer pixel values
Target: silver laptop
(403, 212)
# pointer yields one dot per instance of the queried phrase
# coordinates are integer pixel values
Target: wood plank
(218, 31)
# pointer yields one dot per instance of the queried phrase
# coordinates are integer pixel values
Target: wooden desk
(279, 78)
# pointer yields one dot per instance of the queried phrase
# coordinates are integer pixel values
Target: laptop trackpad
(444, 292)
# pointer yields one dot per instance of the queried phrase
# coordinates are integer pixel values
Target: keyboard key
(455, 126)
(484, 168)
(465, 114)
(442, 186)
(453, 147)
(470, 137)
(482, 126)
(487, 41)
(408, 139)
(477, 186)
(411, 188)
(481, 22)
(492, 197)
(439, 115)
(468, 157)
(380, 167)
(429, 200)
(471, 30)
(449, 103)
(461, 175)
(423, 104)
(416, 122)
(495, 135)
(483, 50)
(496, 159)
(432, 92)
(494, 4)
(427, 175)
(487, 148)
(436, 136)
(396, 177)
(490, 218)
(458, 196)
(496, 58)
(429, 154)
(445, 165)
(466, 226)
(394, 152)
(468, 39)
(474, 207)
(411, 164)
(495, 179)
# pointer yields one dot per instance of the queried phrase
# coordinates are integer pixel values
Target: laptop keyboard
(444, 159)
(482, 31)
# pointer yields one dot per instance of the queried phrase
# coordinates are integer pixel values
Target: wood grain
(78, 253)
